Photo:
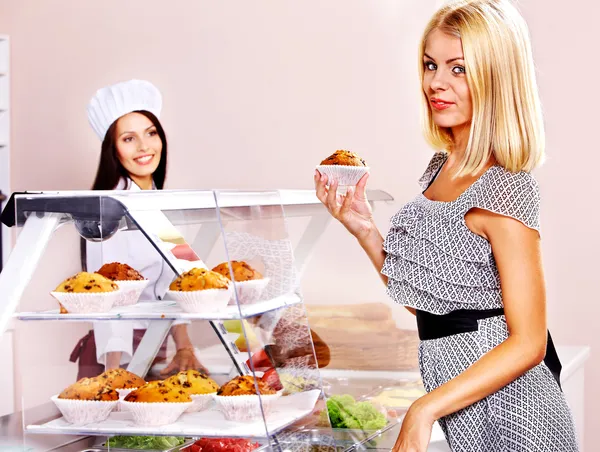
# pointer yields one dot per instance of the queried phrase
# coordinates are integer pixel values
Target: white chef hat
(112, 102)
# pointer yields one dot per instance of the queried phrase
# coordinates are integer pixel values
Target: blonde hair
(507, 119)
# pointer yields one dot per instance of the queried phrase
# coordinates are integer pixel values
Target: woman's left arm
(516, 249)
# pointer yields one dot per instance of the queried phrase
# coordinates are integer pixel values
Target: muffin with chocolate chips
(157, 403)
(86, 293)
(345, 158)
(130, 281)
(239, 398)
(201, 291)
(86, 401)
(199, 387)
(343, 166)
(85, 282)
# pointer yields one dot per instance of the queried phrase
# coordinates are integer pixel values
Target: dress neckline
(461, 195)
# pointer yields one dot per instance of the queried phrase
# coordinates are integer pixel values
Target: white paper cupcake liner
(249, 292)
(131, 291)
(87, 303)
(153, 414)
(201, 402)
(345, 175)
(81, 412)
(122, 394)
(243, 408)
(202, 301)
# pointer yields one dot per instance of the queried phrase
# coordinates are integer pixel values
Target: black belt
(434, 326)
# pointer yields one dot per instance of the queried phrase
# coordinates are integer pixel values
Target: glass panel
(277, 345)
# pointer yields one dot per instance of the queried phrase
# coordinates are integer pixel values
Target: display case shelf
(210, 423)
(166, 310)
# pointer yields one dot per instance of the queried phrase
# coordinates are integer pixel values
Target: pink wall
(256, 94)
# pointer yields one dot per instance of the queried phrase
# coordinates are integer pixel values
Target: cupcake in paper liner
(343, 166)
(238, 399)
(249, 283)
(201, 291)
(87, 293)
(81, 412)
(198, 386)
(156, 403)
(129, 280)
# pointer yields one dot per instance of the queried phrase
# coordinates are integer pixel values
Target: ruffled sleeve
(514, 195)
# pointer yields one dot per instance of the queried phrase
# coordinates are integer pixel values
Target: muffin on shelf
(121, 379)
(199, 279)
(86, 401)
(193, 382)
(85, 282)
(116, 271)
(158, 392)
(201, 291)
(198, 386)
(90, 389)
(242, 271)
(129, 280)
(244, 385)
(249, 282)
(157, 403)
(238, 399)
(87, 293)
(345, 167)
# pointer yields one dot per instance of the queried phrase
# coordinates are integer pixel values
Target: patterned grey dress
(436, 264)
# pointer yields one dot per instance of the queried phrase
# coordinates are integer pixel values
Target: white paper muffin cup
(249, 292)
(122, 394)
(201, 402)
(202, 301)
(154, 414)
(345, 175)
(81, 412)
(87, 303)
(131, 291)
(242, 408)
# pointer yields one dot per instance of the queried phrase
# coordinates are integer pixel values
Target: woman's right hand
(352, 209)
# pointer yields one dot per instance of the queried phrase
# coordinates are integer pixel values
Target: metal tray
(104, 448)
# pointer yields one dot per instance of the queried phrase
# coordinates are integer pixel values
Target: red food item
(271, 378)
(260, 361)
(222, 445)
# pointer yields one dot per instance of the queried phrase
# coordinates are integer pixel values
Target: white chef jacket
(132, 248)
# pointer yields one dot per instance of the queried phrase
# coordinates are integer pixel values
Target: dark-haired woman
(133, 157)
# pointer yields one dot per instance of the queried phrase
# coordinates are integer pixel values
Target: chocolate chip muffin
(344, 158)
(84, 282)
(158, 392)
(241, 271)
(121, 379)
(116, 271)
(90, 389)
(244, 385)
(193, 382)
(199, 279)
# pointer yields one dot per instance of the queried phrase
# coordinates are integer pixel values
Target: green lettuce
(146, 442)
(345, 412)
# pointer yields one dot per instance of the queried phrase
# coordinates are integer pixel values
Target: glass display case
(223, 267)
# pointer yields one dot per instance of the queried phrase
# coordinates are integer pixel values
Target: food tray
(103, 447)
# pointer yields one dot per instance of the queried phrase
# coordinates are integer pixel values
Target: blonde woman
(464, 254)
